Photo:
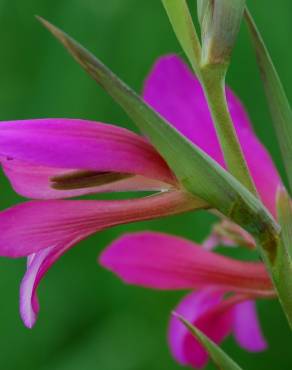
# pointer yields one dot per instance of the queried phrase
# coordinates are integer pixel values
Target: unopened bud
(220, 22)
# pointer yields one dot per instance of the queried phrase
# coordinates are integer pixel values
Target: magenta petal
(204, 310)
(77, 144)
(32, 226)
(262, 169)
(247, 329)
(161, 261)
(34, 182)
(177, 95)
(173, 90)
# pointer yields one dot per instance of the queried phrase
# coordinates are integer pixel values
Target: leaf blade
(217, 355)
(283, 263)
(276, 96)
(284, 208)
(181, 21)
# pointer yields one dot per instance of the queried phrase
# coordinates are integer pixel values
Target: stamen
(86, 179)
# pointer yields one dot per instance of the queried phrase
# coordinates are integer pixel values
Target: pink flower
(39, 155)
(62, 158)
(164, 262)
(161, 261)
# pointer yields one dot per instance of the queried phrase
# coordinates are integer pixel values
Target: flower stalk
(210, 63)
(213, 81)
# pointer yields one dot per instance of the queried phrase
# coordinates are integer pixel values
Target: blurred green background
(89, 319)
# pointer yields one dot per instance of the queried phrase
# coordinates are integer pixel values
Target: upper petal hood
(51, 146)
(36, 182)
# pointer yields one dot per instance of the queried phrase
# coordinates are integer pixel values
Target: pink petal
(176, 94)
(32, 226)
(35, 182)
(214, 240)
(162, 261)
(83, 145)
(38, 264)
(247, 329)
(262, 169)
(173, 90)
(206, 310)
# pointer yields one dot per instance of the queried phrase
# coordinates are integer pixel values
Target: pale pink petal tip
(247, 329)
(29, 306)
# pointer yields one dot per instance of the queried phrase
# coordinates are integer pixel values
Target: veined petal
(247, 329)
(207, 310)
(32, 226)
(173, 91)
(81, 145)
(161, 261)
(35, 182)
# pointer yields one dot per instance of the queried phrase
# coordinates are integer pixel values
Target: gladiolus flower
(52, 159)
(165, 262)
(161, 261)
(42, 156)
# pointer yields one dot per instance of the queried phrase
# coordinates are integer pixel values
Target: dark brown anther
(86, 179)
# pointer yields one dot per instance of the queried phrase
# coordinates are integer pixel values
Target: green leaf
(277, 99)
(217, 355)
(283, 264)
(284, 207)
(220, 22)
(182, 23)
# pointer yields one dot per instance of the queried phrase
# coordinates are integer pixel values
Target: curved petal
(162, 261)
(247, 329)
(32, 226)
(35, 182)
(206, 310)
(176, 94)
(38, 265)
(82, 145)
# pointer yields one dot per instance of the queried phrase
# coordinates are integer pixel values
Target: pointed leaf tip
(217, 355)
(183, 26)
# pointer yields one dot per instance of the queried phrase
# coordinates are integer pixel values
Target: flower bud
(220, 22)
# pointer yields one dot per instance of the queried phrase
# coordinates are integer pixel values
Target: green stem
(182, 23)
(213, 81)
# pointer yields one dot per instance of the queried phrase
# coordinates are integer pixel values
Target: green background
(89, 319)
